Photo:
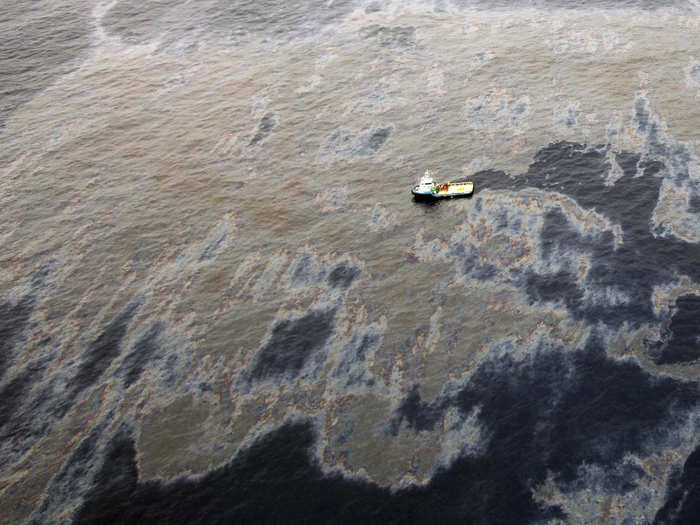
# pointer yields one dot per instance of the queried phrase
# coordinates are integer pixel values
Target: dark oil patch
(267, 124)
(561, 287)
(416, 413)
(683, 495)
(143, 352)
(30, 415)
(628, 162)
(102, 351)
(343, 275)
(15, 392)
(292, 344)
(370, 143)
(68, 485)
(273, 481)
(680, 342)
(14, 319)
(110, 501)
(377, 139)
(276, 480)
(632, 268)
(694, 203)
(641, 114)
(557, 411)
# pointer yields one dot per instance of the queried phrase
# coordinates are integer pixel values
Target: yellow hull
(454, 189)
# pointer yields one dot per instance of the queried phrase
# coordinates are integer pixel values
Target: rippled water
(219, 303)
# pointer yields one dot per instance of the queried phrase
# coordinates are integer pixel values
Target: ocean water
(220, 304)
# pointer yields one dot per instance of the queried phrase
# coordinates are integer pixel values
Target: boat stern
(421, 193)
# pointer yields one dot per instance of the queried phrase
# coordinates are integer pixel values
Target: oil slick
(167, 329)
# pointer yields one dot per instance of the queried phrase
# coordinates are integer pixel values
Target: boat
(427, 188)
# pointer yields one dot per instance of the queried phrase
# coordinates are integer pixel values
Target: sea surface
(220, 304)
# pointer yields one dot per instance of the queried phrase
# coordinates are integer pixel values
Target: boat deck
(453, 189)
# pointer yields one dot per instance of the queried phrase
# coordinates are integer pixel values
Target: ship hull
(446, 191)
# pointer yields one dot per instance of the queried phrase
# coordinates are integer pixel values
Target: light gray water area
(207, 232)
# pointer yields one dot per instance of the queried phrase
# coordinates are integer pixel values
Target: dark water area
(13, 321)
(645, 260)
(292, 344)
(683, 503)
(642, 262)
(681, 337)
(598, 412)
